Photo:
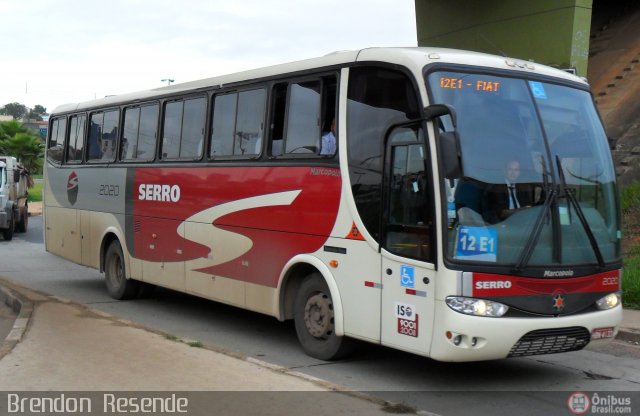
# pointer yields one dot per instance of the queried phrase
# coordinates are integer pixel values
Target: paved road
(451, 389)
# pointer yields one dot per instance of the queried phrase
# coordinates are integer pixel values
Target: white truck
(14, 184)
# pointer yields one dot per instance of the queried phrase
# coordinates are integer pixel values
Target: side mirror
(16, 176)
(449, 140)
(450, 155)
(439, 110)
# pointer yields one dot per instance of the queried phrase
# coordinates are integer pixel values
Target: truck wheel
(7, 233)
(314, 319)
(118, 286)
(24, 221)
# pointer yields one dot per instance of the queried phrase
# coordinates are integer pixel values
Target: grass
(195, 344)
(35, 193)
(630, 197)
(631, 279)
(630, 202)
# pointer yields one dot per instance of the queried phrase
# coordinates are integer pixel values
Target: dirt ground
(35, 208)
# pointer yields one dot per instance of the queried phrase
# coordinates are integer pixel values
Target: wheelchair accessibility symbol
(406, 276)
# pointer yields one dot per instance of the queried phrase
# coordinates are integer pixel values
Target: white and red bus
(365, 195)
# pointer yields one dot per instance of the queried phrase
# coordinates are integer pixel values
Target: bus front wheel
(118, 286)
(314, 320)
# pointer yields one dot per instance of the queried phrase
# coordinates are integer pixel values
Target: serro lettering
(156, 192)
(493, 284)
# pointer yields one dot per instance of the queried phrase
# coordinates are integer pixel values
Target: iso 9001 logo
(578, 403)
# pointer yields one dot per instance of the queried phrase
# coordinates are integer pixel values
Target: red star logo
(558, 302)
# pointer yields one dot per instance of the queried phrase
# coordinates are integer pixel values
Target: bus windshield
(537, 184)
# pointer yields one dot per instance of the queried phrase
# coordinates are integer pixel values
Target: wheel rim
(115, 269)
(318, 316)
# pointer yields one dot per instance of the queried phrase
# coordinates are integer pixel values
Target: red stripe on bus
(162, 198)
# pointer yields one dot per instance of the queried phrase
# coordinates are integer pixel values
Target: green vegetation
(631, 279)
(35, 192)
(195, 344)
(630, 197)
(22, 143)
(171, 337)
(630, 201)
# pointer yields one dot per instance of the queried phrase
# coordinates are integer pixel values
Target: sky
(56, 52)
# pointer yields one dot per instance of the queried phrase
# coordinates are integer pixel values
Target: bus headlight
(477, 307)
(608, 302)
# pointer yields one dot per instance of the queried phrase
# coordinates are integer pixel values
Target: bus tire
(24, 221)
(118, 286)
(314, 320)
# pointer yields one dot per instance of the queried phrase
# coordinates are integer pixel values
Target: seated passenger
(328, 142)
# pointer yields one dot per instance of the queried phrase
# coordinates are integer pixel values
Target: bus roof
(413, 57)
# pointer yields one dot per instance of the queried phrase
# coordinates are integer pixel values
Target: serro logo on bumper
(72, 188)
(157, 192)
(558, 273)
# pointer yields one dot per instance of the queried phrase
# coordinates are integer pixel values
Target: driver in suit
(503, 199)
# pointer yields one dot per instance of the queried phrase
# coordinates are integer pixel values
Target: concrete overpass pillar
(551, 32)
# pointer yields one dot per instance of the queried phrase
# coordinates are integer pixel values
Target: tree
(27, 148)
(17, 110)
(9, 129)
(37, 112)
(22, 143)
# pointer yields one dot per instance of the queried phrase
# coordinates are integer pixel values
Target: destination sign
(483, 85)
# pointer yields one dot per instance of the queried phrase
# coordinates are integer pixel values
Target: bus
(362, 194)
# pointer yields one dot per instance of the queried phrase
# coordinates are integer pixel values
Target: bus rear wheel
(118, 286)
(314, 320)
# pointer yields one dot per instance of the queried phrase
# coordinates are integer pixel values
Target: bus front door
(407, 271)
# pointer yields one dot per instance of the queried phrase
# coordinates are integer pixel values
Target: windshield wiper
(552, 195)
(532, 241)
(569, 194)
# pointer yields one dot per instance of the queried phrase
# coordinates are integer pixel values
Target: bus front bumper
(460, 337)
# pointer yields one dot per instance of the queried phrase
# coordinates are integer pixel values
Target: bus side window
(183, 129)
(94, 147)
(376, 97)
(224, 121)
(76, 138)
(103, 136)
(303, 113)
(249, 122)
(238, 123)
(140, 133)
(303, 119)
(55, 150)
(192, 137)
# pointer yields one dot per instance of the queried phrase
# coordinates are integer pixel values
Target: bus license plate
(602, 333)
